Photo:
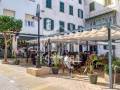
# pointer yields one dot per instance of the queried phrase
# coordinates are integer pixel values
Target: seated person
(67, 62)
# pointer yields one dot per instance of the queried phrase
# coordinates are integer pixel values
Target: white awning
(93, 35)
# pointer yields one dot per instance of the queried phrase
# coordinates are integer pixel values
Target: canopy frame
(109, 39)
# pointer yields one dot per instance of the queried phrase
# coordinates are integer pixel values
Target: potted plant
(93, 60)
(115, 64)
(91, 73)
(56, 64)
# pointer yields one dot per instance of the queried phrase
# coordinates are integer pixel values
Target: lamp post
(110, 56)
(38, 52)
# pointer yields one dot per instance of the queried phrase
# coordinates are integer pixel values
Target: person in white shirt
(67, 63)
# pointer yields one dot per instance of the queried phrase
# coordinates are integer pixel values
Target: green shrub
(107, 69)
(56, 60)
(114, 63)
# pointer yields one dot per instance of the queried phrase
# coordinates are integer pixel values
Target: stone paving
(14, 77)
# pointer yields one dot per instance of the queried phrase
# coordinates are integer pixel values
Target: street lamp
(38, 52)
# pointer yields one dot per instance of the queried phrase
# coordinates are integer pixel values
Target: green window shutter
(62, 25)
(73, 27)
(49, 3)
(78, 12)
(80, 1)
(81, 13)
(68, 26)
(71, 10)
(52, 24)
(92, 6)
(44, 23)
(61, 6)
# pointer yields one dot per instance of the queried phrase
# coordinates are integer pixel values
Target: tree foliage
(8, 23)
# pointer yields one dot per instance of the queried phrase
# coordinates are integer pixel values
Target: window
(108, 2)
(71, 26)
(48, 24)
(106, 47)
(71, 47)
(29, 22)
(62, 26)
(93, 48)
(61, 7)
(7, 12)
(80, 1)
(92, 6)
(80, 13)
(49, 3)
(71, 10)
(80, 28)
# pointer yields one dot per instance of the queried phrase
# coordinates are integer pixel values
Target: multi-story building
(98, 12)
(57, 15)
(61, 15)
(64, 16)
(22, 9)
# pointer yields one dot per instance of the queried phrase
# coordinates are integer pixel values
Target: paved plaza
(14, 77)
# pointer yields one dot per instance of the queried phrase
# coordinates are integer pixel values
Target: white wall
(23, 7)
(99, 7)
(56, 15)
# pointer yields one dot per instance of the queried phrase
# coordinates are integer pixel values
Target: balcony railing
(100, 12)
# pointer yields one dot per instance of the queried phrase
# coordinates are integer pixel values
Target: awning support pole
(78, 50)
(87, 45)
(110, 57)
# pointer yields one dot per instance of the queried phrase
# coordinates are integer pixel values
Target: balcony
(101, 12)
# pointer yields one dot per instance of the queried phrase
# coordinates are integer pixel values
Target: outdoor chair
(62, 66)
(65, 67)
(77, 67)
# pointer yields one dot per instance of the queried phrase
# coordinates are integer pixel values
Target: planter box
(38, 71)
(117, 79)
